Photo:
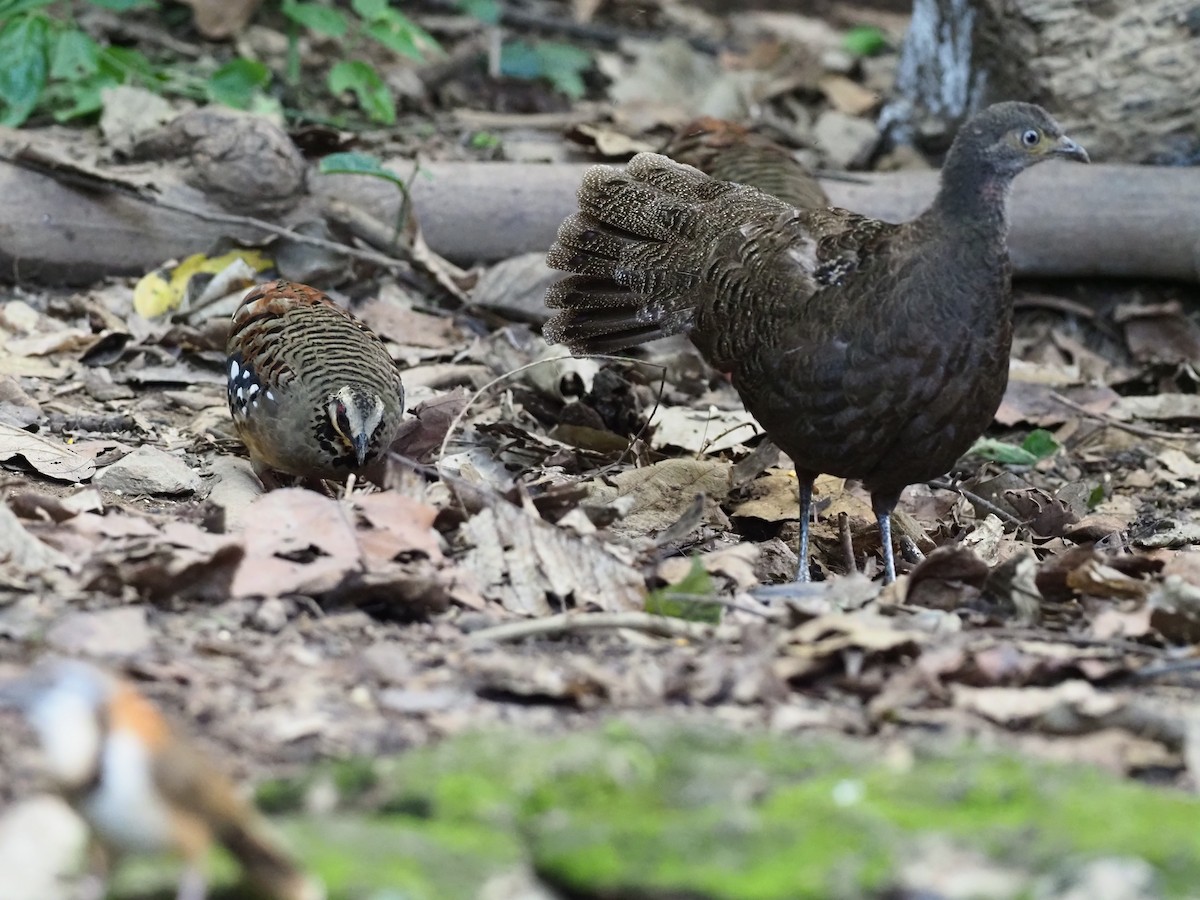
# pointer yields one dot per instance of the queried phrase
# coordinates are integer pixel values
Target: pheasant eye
(1031, 137)
(341, 420)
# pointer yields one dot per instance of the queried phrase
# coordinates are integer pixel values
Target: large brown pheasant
(864, 349)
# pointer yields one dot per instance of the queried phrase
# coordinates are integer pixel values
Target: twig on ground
(575, 623)
(910, 551)
(847, 541)
(1139, 430)
(982, 503)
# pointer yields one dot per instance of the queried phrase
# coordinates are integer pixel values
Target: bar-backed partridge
(864, 349)
(312, 390)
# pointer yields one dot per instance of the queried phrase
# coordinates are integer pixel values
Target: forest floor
(502, 579)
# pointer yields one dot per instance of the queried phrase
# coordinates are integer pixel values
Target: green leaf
(125, 5)
(356, 164)
(487, 11)
(1040, 443)
(864, 40)
(368, 88)
(990, 448)
(689, 599)
(75, 57)
(23, 49)
(236, 82)
(1096, 497)
(401, 35)
(560, 64)
(129, 66)
(315, 17)
(9, 8)
(484, 140)
(76, 99)
(370, 10)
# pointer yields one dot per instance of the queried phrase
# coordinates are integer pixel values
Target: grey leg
(806, 487)
(883, 507)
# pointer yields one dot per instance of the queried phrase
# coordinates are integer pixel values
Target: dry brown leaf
(735, 563)
(1175, 610)
(424, 431)
(528, 565)
(51, 458)
(173, 566)
(19, 548)
(398, 525)
(64, 340)
(300, 542)
(1179, 464)
(848, 96)
(1034, 404)
(773, 498)
(1160, 407)
(948, 578)
(702, 431)
(516, 287)
(1057, 708)
(834, 633)
(218, 19)
(1161, 333)
(122, 631)
(608, 142)
(572, 677)
(407, 327)
(660, 494)
(1098, 580)
(1042, 514)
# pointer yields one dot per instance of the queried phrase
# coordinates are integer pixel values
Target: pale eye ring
(1031, 137)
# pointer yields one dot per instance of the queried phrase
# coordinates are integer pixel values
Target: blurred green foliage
(52, 67)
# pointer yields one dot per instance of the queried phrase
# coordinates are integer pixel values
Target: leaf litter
(1062, 536)
(558, 538)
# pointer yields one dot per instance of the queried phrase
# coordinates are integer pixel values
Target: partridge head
(141, 786)
(864, 349)
(312, 390)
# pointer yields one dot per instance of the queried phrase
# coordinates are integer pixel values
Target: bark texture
(1122, 77)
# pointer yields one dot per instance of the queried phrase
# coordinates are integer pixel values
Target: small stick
(1139, 430)
(575, 623)
(987, 505)
(847, 541)
(910, 551)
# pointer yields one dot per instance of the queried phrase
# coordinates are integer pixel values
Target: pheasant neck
(972, 200)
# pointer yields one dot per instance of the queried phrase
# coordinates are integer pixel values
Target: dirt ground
(501, 575)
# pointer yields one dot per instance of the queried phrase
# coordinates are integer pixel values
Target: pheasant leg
(806, 488)
(883, 507)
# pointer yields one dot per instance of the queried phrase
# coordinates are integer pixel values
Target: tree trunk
(1123, 77)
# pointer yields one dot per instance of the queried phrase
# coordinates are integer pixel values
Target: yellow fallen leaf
(166, 288)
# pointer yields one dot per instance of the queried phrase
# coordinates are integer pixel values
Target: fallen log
(1106, 221)
(1067, 221)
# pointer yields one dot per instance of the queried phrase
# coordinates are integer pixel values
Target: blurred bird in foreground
(141, 787)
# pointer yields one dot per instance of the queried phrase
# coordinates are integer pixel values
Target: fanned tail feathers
(638, 248)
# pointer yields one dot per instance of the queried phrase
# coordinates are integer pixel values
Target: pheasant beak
(362, 443)
(1068, 149)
